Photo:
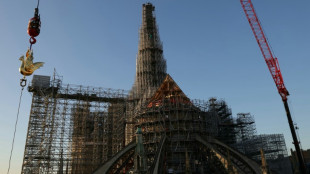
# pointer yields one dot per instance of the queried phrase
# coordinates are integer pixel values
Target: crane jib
(274, 68)
(261, 39)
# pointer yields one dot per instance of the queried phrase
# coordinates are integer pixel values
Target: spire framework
(150, 63)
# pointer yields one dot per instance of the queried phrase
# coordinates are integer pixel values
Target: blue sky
(209, 47)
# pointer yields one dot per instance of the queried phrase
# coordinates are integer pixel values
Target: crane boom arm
(261, 39)
(274, 69)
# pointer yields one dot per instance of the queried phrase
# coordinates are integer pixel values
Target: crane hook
(23, 82)
(34, 27)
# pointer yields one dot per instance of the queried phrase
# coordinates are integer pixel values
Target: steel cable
(20, 98)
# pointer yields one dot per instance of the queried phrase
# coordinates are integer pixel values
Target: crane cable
(23, 82)
(38, 3)
(20, 99)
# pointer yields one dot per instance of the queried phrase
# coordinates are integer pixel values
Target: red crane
(274, 68)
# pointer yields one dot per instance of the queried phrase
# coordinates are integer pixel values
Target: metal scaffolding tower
(150, 67)
(72, 128)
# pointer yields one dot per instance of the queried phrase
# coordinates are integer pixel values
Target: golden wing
(36, 65)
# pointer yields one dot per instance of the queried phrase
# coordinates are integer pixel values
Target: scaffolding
(72, 128)
(225, 121)
(170, 114)
(151, 65)
(150, 68)
(245, 125)
(245, 130)
(273, 146)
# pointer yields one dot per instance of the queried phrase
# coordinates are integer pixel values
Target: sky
(209, 47)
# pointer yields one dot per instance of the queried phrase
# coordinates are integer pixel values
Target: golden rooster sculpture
(28, 67)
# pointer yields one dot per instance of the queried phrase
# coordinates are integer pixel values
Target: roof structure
(169, 90)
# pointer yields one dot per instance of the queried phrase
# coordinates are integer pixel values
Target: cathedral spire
(150, 63)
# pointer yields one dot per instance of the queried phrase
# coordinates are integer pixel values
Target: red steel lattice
(271, 61)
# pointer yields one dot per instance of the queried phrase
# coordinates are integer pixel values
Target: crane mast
(274, 68)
